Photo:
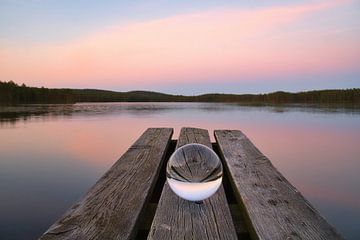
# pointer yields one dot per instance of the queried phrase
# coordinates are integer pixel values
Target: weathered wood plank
(274, 208)
(111, 208)
(176, 218)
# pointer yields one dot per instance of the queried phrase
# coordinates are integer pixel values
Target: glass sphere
(194, 172)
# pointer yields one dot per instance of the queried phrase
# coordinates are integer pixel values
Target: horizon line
(199, 94)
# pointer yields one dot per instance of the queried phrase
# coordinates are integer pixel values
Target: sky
(181, 47)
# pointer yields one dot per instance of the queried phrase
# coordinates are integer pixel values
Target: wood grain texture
(274, 208)
(176, 218)
(112, 207)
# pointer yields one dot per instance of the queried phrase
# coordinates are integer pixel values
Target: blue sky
(44, 20)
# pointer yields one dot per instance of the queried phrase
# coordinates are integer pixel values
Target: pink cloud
(215, 44)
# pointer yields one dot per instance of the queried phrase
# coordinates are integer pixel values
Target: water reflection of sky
(50, 157)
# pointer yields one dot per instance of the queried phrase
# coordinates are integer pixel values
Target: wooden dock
(133, 201)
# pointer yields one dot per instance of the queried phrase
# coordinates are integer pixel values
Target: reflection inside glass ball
(194, 172)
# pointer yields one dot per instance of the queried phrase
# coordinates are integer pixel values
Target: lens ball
(194, 172)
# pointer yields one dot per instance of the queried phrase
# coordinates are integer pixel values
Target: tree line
(12, 93)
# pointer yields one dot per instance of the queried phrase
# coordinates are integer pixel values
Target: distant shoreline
(12, 93)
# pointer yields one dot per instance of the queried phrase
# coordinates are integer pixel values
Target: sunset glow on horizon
(227, 48)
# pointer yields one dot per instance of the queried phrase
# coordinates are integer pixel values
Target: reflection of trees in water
(33, 111)
(14, 114)
(13, 117)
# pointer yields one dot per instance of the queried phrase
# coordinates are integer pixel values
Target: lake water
(51, 154)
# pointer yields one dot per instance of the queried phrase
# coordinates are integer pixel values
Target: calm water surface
(51, 154)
